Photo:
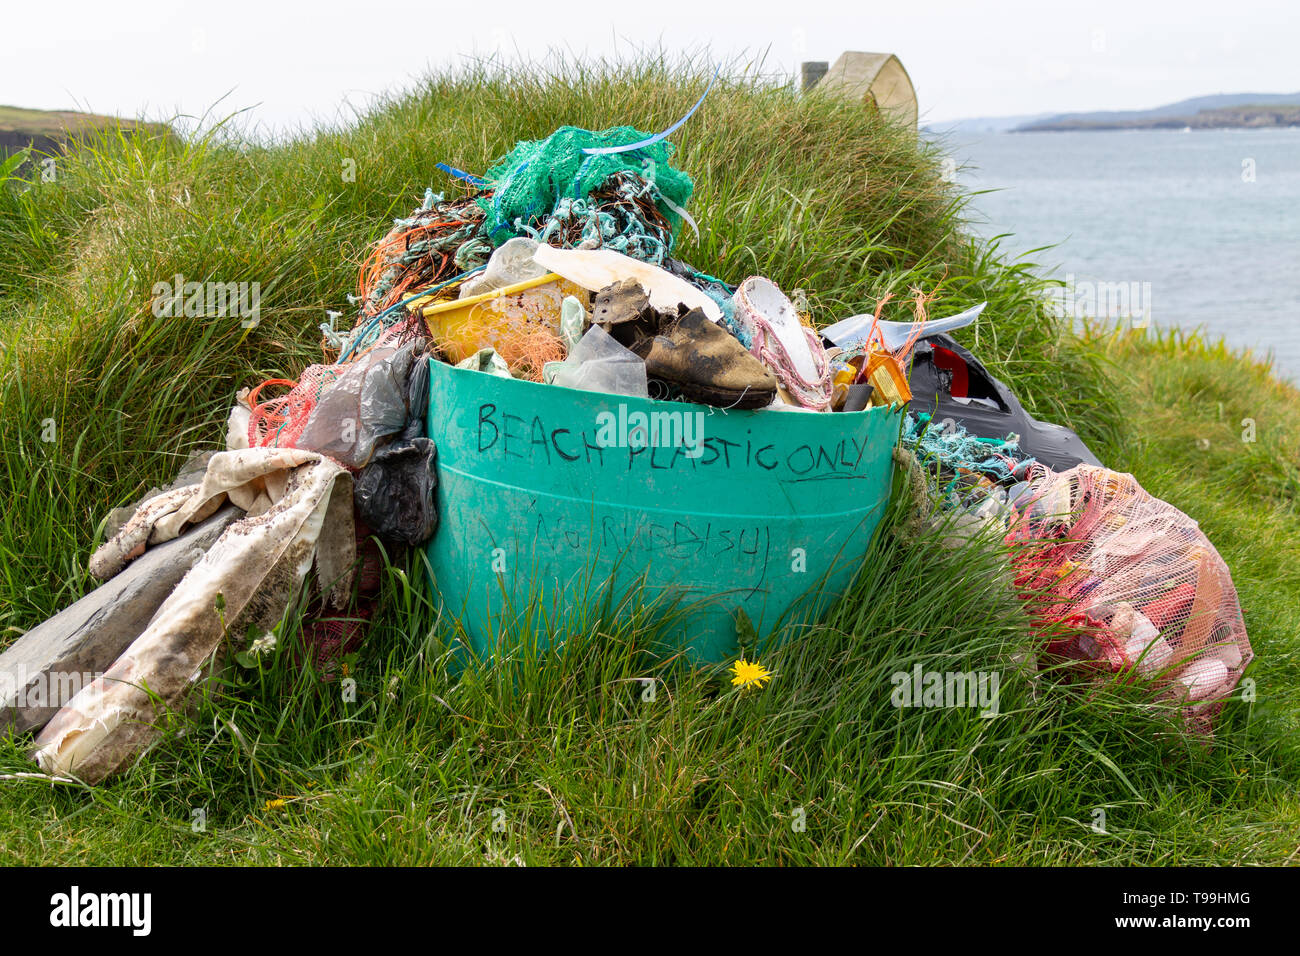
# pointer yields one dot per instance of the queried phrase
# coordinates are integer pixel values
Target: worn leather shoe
(705, 363)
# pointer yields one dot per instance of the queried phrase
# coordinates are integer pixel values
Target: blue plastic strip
(369, 327)
(606, 150)
(460, 174)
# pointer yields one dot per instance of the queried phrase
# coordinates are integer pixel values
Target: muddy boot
(624, 311)
(705, 363)
(622, 302)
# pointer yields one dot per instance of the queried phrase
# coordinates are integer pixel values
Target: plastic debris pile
(569, 278)
(558, 266)
(506, 279)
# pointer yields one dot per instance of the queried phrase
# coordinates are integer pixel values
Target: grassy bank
(99, 400)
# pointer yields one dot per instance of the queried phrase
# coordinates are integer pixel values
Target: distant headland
(47, 131)
(1218, 111)
(1222, 111)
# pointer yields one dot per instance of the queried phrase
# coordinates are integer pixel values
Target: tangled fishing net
(531, 180)
(957, 451)
(620, 215)
(436, 242)
(1147, 592)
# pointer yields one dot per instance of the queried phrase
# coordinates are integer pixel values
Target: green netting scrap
(533, 177)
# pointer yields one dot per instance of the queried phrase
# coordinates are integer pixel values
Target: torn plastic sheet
(852, 332)
(365, 405)
(600, 364)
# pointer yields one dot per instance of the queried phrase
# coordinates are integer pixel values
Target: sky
(292, 65)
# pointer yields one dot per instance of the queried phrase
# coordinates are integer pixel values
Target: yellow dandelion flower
(274, 804)
(749, 674)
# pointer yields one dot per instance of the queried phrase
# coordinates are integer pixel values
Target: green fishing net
(537, 174)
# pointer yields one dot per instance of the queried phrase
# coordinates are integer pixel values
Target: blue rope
(460, 174)
(369, 326)
(650, 141)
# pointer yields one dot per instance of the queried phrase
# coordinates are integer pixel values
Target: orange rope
(252, 396)
(386, 253)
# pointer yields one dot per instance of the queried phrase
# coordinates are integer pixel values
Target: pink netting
(279, 422)
(1147, 592)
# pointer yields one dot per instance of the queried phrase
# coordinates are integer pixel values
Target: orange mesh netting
(280, 421)
(1145, 588)
(525, 345)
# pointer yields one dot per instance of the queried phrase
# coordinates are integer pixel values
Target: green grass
(562, 760)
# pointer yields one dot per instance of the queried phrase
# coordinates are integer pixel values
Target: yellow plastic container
(460, 327)
(889, 380)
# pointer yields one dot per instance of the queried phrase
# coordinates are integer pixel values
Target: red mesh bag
(279, 421)
(1143, 587)
(370, 563)
(331, 637)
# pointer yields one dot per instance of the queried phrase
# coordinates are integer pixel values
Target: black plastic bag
(394, 494)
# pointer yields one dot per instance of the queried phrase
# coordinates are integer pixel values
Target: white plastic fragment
(593, 269)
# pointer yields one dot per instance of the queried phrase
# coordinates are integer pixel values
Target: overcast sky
(294, 63)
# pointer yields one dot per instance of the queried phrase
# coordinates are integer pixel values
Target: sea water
(1188, 229)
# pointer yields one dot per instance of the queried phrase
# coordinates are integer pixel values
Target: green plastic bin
(548, 494)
